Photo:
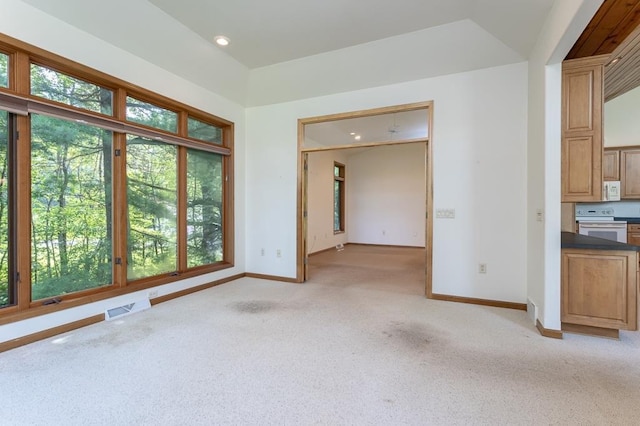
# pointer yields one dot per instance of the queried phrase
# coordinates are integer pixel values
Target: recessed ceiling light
(352, 133)
(221, 40)
(614, 61)
(357, 137)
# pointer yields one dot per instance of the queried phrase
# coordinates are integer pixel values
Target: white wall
(479, 154)
(58, 37)
(564, 24)
(622, 120)
(385, 196)
(320, 200)
(386, 191)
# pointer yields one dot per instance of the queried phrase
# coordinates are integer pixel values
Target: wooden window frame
(18, 101)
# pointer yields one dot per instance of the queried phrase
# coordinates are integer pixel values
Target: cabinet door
(630, 173)
(611, 164)
(599, 288)
(582, 149)
(633, 234)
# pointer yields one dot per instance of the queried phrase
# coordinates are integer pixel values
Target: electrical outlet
(261, 252)
(278, 253)
(153, 294)
(539, 215)
(482, 268)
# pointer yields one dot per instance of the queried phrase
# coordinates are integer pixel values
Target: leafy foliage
(70, 207)
(151, 115)
(68, 90)
(152, 207)
(4, 212)
(204, 131)
(4, 66)
(204, 208)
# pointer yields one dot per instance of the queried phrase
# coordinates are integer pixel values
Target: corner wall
(386, 192)
(562, 28)
(320, 181)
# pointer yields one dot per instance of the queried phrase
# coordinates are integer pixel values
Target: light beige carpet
(395, 269)
(257, 352)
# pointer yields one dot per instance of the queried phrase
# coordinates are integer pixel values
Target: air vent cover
(128, 309)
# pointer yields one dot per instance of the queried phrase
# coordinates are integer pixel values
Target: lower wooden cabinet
(633, 234)
(599, 288)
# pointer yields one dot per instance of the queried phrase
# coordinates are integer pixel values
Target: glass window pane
(71, 207)
(68, 90)
(204, 131)
(4, 211)
(152, 207)
(204, 208)
(4, 70)
(336, 205)
(151, 115)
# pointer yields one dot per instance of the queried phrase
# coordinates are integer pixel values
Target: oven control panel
(604, 212)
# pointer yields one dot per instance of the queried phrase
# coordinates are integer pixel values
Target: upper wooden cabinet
(630, 173)
(611, 164)
(582, 141)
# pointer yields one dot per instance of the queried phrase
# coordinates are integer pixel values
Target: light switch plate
(446, 213)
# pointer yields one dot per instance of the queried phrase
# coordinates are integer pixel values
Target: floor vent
(129, 309)
(532, 311)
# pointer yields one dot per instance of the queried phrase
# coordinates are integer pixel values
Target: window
(4, 67)
(70, 207)
(152, 208)
(203, 131)
(109, 188)
(68, 90)
(5, 289)
(204, 208)
(151, 115)
(338, 197)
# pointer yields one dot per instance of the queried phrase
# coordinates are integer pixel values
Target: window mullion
(119, 210)
(19, 75)
(119, 193)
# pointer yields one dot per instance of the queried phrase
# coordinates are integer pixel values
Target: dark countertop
(571, 240)
(633, 220)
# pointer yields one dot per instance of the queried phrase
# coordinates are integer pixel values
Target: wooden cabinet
(611, 164)
(599, 289)
(633, 234)
(630, 173)
(582, 140)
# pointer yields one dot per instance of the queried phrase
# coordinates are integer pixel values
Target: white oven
(599, 223)
(609, 230)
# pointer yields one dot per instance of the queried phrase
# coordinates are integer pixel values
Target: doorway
(361, 131)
